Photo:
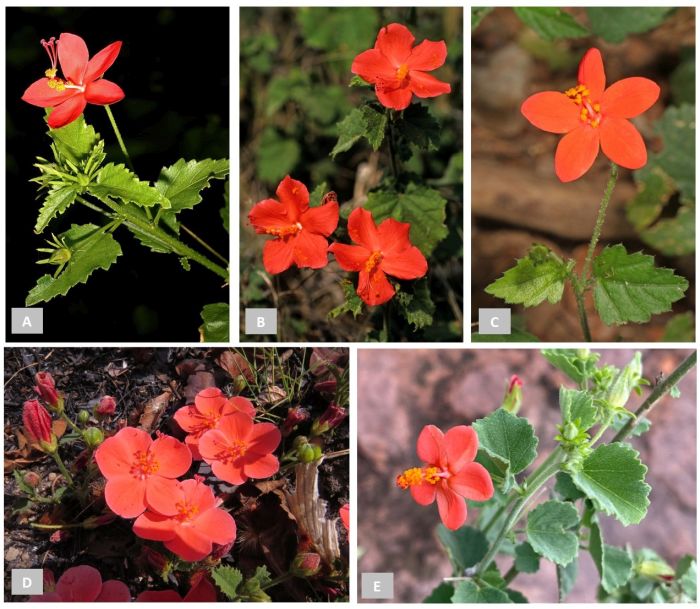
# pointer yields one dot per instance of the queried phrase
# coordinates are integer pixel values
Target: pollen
(418, 475)
(373, 261)
(284, 231)
(51, 73)
(143, 465)
(235, 450)
(186, 512)
(402, 72)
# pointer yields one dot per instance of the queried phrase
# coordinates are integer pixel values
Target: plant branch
(119, 137)
(203, 243)
(600, 220)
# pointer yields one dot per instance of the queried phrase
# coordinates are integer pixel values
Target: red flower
(449, 473)
(593, 117)
(37, 425)
(208, 408)
(82, 584)
(202, 592)
(188, 521)
(46, 388)
(82, 81)
(397, 69)
(141, 472)
(300, 231)
(238, 449)
(384, 250)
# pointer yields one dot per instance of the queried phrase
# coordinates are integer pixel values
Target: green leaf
(117, 181)
(225, 211)
(614, 564)
(655, 189)
(576, 364)
(566, 578)
(350, 130)
(91, 249)
(566, 488)
(673, 236)
(441, 594)
(683, 80)
(227, 579)
(614, 24)
(252, 588)
(316, 195)
(478, 13)
(680, 328)
(350, 30)
(277, 156)
(677, 159)
(548, 531)
(465, 546)
(375, 126)
(577, 406)
(468, 592)
(687, 575)
(612, 476)
(75, 141)
(183, 182)
(550, 23)
(56, 202)
(358, 81)
(422, 207)
(215, 328)
(417, 306)
(508, 438)
(515, 596)
(526, 559)
(352, 303)
(419, 127)
(539, 277)
(629, 287)
(515, 336)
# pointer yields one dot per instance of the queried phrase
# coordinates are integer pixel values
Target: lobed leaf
(509, 438)
(227, 579)
(549, 531)
(468, 591)
(577, 406)
(118, 182)
(183, 182)
(614, 564)
(465, 546)
(526, 559)
(416, 306)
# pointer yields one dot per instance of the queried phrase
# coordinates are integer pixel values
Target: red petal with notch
(591, 73)
(264, 438)
(189, 544)
(103, 92)
(262, 467)
(101, 61)
(173, 457)
(622, 143)
(67, 112)
(428, 55)
(79, 584)
(461, 444)
(551, 111)
(629, 97)
(126, 496)
(269, 214)
(155, 527)
(395, 42)
(73, 56)
(408, 264)
(425, 85)
(576, 152)
(429, 445)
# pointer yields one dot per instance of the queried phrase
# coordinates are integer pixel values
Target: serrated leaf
(417, 306)
(508, 438)
(469, 592)
(227, 579)
(532, 280)
(687, 575)
(566, 489)
(628, 287)
(571, 363)
(225, 211)
(612, 476)
(316, 195)
(118, 182)
(642, 425)
(349, 130)
(515, 596)
(167, 218)
(352, 303)
(680, 328)
(465, 546)
(76, 140)
(526, 559)
(566, 578)
(677, 159)
(375, 126)
(614, 564)
(183, 182)
(614, 24)
(550, 23)
(478, 13)
(215, 328)
(56, 202)
(655, 189)
(577, 406)
(673, 236)
(91, 249)
(422, 207)
(440, 594)
(549, 534)
(419, 127)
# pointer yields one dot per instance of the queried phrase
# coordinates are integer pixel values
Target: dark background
(173, 67)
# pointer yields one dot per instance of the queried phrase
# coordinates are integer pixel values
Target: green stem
(278, 580)
(579, 292)
(510, 575)
(62, 467)
(55, 527)
(392, 144)
(203, 243)
(67, 419)
(119, 137)
(600, 220)
(659, 391)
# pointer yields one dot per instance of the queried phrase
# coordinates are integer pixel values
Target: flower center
(285, 231)
(186, 512)
(373, 262)
(143, 465)
(54, 82)
(590, 112)
(232, 451)
(418, 475)
(402, 72)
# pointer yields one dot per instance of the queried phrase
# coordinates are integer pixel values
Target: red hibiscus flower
(206, 412)
(593, 117)
(239, 449)
(397, 69)
(449, 473)
(202, 592)
(188, 521)
(300, 231)
(383, 250)
(141, 472)
(82, 584)
(82, 81)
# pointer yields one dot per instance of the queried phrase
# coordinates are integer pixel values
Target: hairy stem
(62, 467)
(119, 137)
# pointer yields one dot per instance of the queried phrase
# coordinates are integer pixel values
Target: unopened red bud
(101, 520)
(46, 388)
(32, 479)
(295, 416)
(330, 419)
(514, 395)
(106, 407)
(328, 386)
(306, 564)
(37, 425)
(220, 550)
(155, 559)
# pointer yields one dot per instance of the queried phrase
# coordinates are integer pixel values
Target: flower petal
(294, 196)
(576, 152)
(210, 402)
(461, 444)
(393, 236)
(398, 99)
(40, 94)
(629, 97)
(216, 524)
(103, 92)
(363, 230)
(426, 85)
(424, 493)
(229, 472)
(162, 494)
(592, 73)
(173, 457)
(408, 264)
(73, 55)
(428, 55)
(202, 592)
(264, 438)
(188, 418)
(262, 467)
(395, 42)
(373, 67)
(472, 482)
(350, 257)
(278, 255)
(126, 496)
(114, 591)
(101, 61)
(79, 584)
(115, 455)
(310, 250)
(429, 446)
(197, 493)
(551, 111)
(239, 404)
(155, 527)
(622, 143)
(374, 288)
(322, 220)
(67, 112)
(159, 596)
(269, 214)
(189, 544)
(452, 508)
(237, 426)
(192, 443)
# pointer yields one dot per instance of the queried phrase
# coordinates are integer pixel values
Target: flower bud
(305, 564)
(155, 559)
(294, 417)
(655, 568)
(328, 386)
(299, 441)
(37, 425)
(514, 395)
(32, 479)
(331, 418)
(220, 550)
(306, 453)
(93, 437)
(625, 382)
(101, 520)
(106, 407)
(46, 388)
(83, 416)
